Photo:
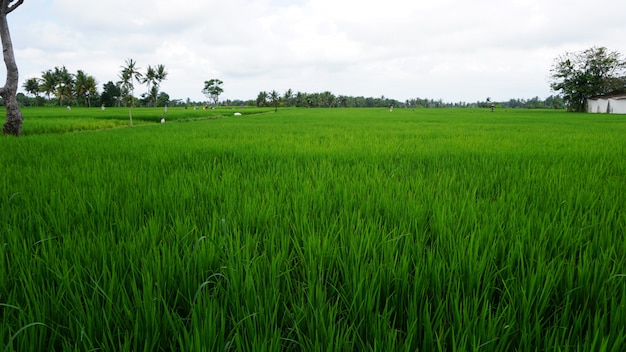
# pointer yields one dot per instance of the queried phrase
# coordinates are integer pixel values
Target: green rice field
(313, 230)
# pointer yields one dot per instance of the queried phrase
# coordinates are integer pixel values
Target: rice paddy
(314, 229)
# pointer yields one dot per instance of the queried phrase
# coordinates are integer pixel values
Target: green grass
(39, 120)
(306, 229)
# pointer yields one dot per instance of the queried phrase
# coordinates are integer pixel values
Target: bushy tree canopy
(578, 76)
(213, 89)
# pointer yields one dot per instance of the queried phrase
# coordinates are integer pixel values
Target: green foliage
(581, 75)
(111, 93)
(275, 99)
(212, 89)
(318, 229)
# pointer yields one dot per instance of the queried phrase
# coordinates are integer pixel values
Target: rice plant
(307, 229)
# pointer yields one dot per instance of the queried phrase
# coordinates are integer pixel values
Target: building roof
(618, 95)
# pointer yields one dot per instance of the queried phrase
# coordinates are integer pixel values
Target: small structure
(237, 114)
(608, 104)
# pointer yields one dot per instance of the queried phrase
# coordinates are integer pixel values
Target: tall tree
(31, 86)
(213, 89)
(13, 124)
(581, 75)
(261, 99)
(153, 78)
(48, 83)
(65, 84)
(130, 73)
(111, 94)
(274, 99)
(288, 97)
(85, 87)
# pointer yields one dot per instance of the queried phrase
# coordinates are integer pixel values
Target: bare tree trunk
(13, 124)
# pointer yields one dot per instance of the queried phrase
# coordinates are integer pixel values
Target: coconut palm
(153, 78)
(48, 83)
(85, 86)
(65, 84)
(129, 74)
(31, 86)
(275, 99)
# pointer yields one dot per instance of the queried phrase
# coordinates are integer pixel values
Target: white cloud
(449, 49)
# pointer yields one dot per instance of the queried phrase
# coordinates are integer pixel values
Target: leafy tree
(111, 94)
(581, 75)
(163, 99)
(13, 124)
(129, 74)
(261, 99)
(213, 89)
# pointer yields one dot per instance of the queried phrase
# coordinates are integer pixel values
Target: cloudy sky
(455, 50)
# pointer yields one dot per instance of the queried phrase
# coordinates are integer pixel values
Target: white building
(607, 104)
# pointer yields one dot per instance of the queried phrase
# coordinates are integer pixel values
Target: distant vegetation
(59, 87)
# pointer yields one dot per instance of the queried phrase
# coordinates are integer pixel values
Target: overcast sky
(455, 50)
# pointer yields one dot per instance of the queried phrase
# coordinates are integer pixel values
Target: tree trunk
(13, 124)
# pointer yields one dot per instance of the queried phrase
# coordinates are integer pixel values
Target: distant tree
(65, 84)
(213, 89)
(261, 99)
(163, 99)
(31, 86)
(111, 94)
(48, 84)
(85, 87)
(578, 76)
(153, 78)
(23, 100)
(129, 74)
(554, 102)
(274, 99)
(288, 97)
(13, 124)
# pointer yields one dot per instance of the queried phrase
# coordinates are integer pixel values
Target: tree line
(60, 87)
(329, 100)
(575, 76)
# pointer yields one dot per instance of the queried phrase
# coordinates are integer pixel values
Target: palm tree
(48, 83)
(288, 97)
(130, 73)
(31, 86)
(152, 79)
(85, 86)
(275, 99)
(65, 84)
